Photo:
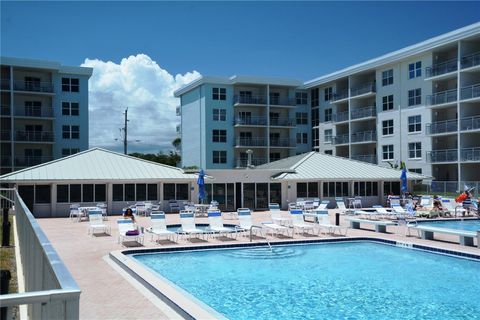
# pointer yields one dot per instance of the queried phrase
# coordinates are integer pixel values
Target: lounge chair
(74, 211)
(95, 222)
(276, 215)
(245, 222)
(125, 225)
(103, 207)
(216, 223)
(298, 223)
(450, 206)
(341, 205)
(324, 222)
(159, 227)
(276, 229)
(382, 211)
(188, 227)
(426, 202)
(323, 205)
(398, 209)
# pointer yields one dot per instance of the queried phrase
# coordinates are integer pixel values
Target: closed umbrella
(403, 179)
(201, 185)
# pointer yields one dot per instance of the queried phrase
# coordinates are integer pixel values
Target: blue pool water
(359, 280)
(470, 225)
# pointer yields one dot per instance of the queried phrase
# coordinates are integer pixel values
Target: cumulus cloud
(141, 85)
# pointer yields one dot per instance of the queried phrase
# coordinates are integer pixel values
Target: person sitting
(437, 209)
(129, 214)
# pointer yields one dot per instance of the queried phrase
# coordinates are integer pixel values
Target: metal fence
(447, 188)
(50, 290)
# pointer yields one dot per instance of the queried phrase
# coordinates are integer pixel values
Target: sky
(143, 51)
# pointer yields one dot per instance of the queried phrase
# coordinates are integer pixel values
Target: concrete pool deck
(108, 294)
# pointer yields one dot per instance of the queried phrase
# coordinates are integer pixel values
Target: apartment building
(44, 111)
(239, 121)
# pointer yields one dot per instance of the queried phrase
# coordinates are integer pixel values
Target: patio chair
(125, 225)
(103, 207)
(141, 210)
(174, 206)
(95, 222)
(398, 209)
(159, 227)
(216, 223)
(450, 206)
(245, 223)
(382, 211)
(276, 215)
(188, 227)
(324, 222)
(74, 211)
(341, 205)
(426, 202)
(298, 223)
(323, 205)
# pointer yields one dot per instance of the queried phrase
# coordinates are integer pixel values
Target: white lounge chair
(95, 222)
(324, 223)
(216, 223)
(426, 202)
(276, 229)
(103, 207)
(276, 215)
(298, 223)
(323, 205)
(341, 205)
(188, 227)
(125, 225)
(452, 208)
(398, 209)
(74, 211)
(245, 223)
(382, 211)
(159, 227)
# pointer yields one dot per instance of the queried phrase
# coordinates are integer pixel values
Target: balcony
(370, 158)
(5, 135)
(340, 116)
(442, 126)
(4, 110)
(242, 163)
(439, 156)
(34, 136)
(470, 60)
(178, 110)
(6, 161)
(363, 89)
(33, 86)
(343, 94)
(262, 100)
(31, 161)
(283, 143)
(470, 123)
(443, 97)
(470, 154)
(5, 84)
(36, 112)
(282, 122)
(250, 121)
(470, 92)
(277, 101)
(341, 139)
(367, 112)
(251, 142)
(441, 68)
(364, 136)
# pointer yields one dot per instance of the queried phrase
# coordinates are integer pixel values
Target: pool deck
(106, 292)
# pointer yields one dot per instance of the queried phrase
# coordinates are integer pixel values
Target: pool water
(469, 225)
(355, 280)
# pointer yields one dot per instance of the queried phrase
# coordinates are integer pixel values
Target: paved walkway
(106, 294)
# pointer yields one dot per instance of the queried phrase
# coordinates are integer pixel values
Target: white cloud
(140, 84)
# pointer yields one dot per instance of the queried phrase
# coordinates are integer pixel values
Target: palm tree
(176, 143)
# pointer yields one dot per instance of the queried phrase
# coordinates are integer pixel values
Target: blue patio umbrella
(403, 179)
(201, 185)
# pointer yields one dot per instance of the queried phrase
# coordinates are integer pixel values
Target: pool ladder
(268, 242)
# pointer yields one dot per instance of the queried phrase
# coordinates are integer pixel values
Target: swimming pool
(330, 281)
(468, 225)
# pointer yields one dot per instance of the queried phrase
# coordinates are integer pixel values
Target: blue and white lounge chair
(245, 223)
(125, 225)
(188, 227)
(323, 205)
(216, 223)
(324, 223)
(276, 215)
(159, 227)
(95, 222)
(298, 223)
(341, 205)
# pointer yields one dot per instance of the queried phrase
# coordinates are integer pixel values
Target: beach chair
(324, 223)
(398, 209)
(159, 227)
(451, 206)
(276, 215)
(341, 205)
(298, 223)
(308, 205)
(426, 202)
(245, 223)
(125, 225)
(74, 211)
(140, 208)
(323, 205)
(382, 211)
(216, 224)
(95, 222)
(188, 227)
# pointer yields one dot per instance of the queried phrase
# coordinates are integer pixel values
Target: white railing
(50, 290)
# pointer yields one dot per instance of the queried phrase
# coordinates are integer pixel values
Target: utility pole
(125, 132)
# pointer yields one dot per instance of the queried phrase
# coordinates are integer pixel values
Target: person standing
(467, 202)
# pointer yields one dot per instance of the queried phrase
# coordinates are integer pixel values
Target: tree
(171, 159)
(177, 143)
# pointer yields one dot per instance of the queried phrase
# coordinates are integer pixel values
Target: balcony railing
(442, 97)
(5, 84)
(4, 110)
(277, 101)
(363, 113)
(251, 142)
(442, 68)
(242, 163)
(448, 155)
(340, 116)
(35, 136)
(31, 161)
(42, 112)
(341, 139)
(251, 121)
(34, 86)
(471, 60)
(364, 136)
(471, 123)
(282, 142)
(342, 94)
(470, 154)
(370, 158)
(262, 99)
(282, 122)
(470, 92)
(5, 135)
(362, 89)
(442, 126)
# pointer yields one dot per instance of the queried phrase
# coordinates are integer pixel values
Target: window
(387, 77)
(302, 138)
(302, 117)
(70, 84)
(328, 136)
(414, 97)
(75, 193)
(328, 115)
(152, 192)
(219, 115)
(219, 136)
(100, 193)
(219, 94)
(129, 194)
(387, 153)
(315, 117)
(117, 192)
(387, 102)
(416, 170)
(274, 98)
(141, 192)
(62, 193)
(330, 152)
(219, 156)
(70, 132)
(32, 84)
(387, 127)
(415, 70)
(415, 150)
(177, 191)
(307, 190)
(70, 109)
(301, 97)
(328, 93)
(69, 151)
(365, 189)
(182, 191)
(415, 123)
(390, 187)
(315, 139)
(42, 194)
(335, 189)
(87, 191)
(33, 108)
(315, 97)
(169, 191)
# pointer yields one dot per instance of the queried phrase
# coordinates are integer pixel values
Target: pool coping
(190, 307)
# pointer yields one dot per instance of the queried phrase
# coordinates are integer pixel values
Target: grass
(7, 257)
